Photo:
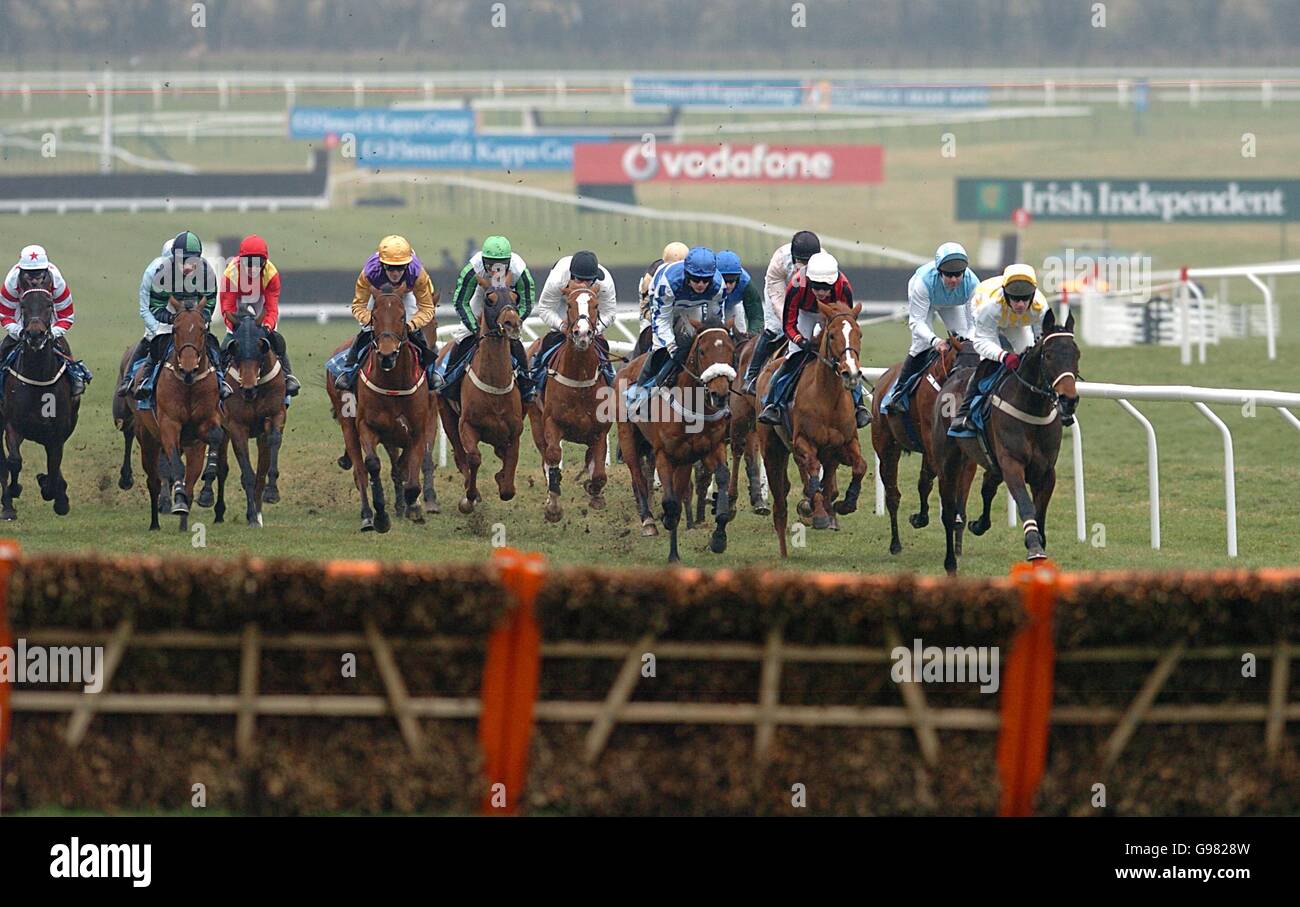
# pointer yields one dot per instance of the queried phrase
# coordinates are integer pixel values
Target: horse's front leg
(472, 461)
(206, 497)
(194, 459)
(810, 469)
(169, 431)
(409, 468)
(369, 443)
(595, 486)
(1013, 473)
(6, 501)
(988, 491)
(1044, 484)
(551, 455)
(716, 465)
(55, 484)
(271, 495)
(14, 443)
(247, 478)
(125, 479)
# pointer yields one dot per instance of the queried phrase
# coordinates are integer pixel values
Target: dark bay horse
(744, 434)
(890, 436)
(824, 432)
(38, 406)
(256, 410)
(185, 415)
(686, 424)
(568, 409)
(491, 408)
(1024, 431)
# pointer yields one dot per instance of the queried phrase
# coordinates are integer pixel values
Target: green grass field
(103, 256)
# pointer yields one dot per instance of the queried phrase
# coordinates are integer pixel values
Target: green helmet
(186, 244)
(496, 248)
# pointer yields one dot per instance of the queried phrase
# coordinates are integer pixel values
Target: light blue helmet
(951, 252)
(701, 262)
(728, 262)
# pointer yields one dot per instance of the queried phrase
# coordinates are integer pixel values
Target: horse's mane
(712, 321)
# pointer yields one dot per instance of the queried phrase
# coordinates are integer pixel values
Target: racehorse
(490, 410)
(568, 409)
(672, 442)
(823, 432)
(895, 432)
(393, 408)
(343, 409)
(744, 438)
(1024, 436)
(185, 414)
(256, 410)
(38, 405)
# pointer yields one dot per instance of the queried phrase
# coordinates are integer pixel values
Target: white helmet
(33, 258)
(822, 268)
(675, 251)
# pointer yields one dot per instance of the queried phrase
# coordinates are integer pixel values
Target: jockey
(821, 282)
(944, 287)
(395, 266)
(740, 293)
(689, 287)
(495, 265)
(552, 309)
(34, 270)
(1009, 304)
(673, 252)
(787, 261)
(182, 273)
(251, 279)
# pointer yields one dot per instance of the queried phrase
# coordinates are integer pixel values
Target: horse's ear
(1069, 322)
(826, 310)
(857, 309)
(1049, 322)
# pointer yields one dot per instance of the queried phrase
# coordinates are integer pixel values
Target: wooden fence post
(510, 678)
(1027, 690)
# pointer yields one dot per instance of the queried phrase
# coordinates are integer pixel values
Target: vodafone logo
(760, 163)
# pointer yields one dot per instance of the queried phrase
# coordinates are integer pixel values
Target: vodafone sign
(759, 163)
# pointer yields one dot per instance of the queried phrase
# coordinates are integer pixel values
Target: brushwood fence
(513, 687)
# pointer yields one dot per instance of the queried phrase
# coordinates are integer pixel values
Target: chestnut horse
(687, 424)
(393, 408)
(744, 436)
(824, 431)
(491, 408)
(1024, 434)
(185, 414)
(890, 436)
(568, 409)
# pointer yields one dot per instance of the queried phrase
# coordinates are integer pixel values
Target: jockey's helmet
(186, 244)
(729, 263)
(1019, 280)
(584, 266)
(253, 247)
(33, 258)
(823, 269)
(701, 263)
(674, 251)
(496, 248)
(951, 254)
(395, 250)
(804, 245)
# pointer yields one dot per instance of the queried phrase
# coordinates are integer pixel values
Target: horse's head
(250, 346)
(500, 315)
(190, 338)
(712, 352)
(841, 341)
(948, 358)
(580, 303)
(1060, 362)
(37, 307)
(389, 322)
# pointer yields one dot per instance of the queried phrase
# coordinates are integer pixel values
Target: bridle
(1048, 391)
(833, 362)
(45, 335)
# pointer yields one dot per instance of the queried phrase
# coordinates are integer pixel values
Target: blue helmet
(728, 262)
(701, 262)
(951, 252)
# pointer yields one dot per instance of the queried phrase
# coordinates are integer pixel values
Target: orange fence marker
(1027, 690)
(510, 679)
(9, 553)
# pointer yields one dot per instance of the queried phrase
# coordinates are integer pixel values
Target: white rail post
(1268, 314)
(1266, 93)
(1201, 319)
(1229, 478)
(358, 93)
(1080, 516)
(1194, 93)
(223, 94)
(1153, 471)
(1184, 310)
(25, 92)
(1286, 414)
(290, 94)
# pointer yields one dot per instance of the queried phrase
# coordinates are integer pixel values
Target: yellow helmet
(1019, 280)
(674, 251)
(395, 250)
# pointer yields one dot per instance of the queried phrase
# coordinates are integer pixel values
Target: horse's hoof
(553, 515)
(382, 523)
(804, 508)
(761, 508)
(46, 493)
(465, 506)
(508, 495)
(271, 495)
(920, 520)
(648, 528)
(206, 497)
(978, 527)
(180, 508)
(61, 508)
(9, 515)
(718, 543)
(367, 524)
(345, 462)
(895, 547)
(433, 507)
(821, 522)
(126, 482)
(597, 502)
(844, 508)
(415, 515)
(1036, 555)
(16, 490)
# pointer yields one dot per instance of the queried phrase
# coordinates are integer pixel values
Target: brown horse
(1024, 434)
(890, 436)
(687, 424)
(256, 410)
(185, 414)
(394, 409)
(744, 437)
(38, 405)
(568, 409)
(824, 431)
(491, 408)
(343, 409)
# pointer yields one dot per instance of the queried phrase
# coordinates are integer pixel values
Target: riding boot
(291, 385)
(141, 351)
(214, 353)
(771, 414)
(606, 367)
(523, 375)
(961, 424)
(762, 349)
(156, 349)
(347, 378)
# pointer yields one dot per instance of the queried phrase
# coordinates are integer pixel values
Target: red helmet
(253, 246)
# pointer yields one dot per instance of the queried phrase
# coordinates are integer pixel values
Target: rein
(1049, 392)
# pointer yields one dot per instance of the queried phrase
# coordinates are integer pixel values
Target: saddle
(980, 405)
